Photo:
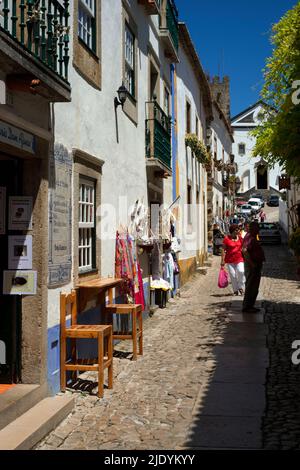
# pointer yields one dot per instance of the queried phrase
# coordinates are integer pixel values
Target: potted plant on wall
(199, 150)
(218, 165)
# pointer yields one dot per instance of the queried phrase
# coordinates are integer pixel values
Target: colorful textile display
(168, 268)
(139, 296)
(128, 268)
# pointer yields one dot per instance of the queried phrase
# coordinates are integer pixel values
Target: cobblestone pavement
(154, 400)
(281, 423)
(272, 213)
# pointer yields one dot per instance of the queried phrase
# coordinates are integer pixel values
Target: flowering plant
(230, 168)
(198, 148)
(219, 165)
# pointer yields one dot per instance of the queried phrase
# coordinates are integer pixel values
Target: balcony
(34, 46)
(158, 139)
(151, 6)
(169, 29)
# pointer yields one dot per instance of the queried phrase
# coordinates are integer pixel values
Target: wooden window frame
(92, 16)
(130, 67)
(131, 104)
(87, 61)
(88, 227)
(167, 93)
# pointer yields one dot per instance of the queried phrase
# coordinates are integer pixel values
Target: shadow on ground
(283, 259)
(252, 399)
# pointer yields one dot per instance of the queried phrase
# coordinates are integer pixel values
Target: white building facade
(254, 174)
(85, 158)
(221, 141)
(115, 156)
(194, 110)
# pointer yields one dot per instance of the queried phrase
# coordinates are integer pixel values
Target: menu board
(60, 217)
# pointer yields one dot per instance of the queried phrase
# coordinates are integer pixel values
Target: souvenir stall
(128, 268)
(156, 249)
(165, 267)
(171, 247)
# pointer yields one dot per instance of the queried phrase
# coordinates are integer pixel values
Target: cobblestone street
(146, 156)
(281, 424)
(156, 401)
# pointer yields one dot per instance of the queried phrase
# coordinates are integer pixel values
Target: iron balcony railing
(172, 22)
(158, 134)
(41, 28)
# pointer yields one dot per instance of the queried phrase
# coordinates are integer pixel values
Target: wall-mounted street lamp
(122, 96)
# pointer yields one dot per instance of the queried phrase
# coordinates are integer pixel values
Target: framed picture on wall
(19, 282)
(20, 252)
(20, 213)
(2, 210)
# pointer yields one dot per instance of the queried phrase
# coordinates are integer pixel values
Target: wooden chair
(135, 312)
(99, 332)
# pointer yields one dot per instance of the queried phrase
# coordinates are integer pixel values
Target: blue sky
(232, 38)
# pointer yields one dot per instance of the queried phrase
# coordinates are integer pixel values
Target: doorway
(10, 305)
(262, 177)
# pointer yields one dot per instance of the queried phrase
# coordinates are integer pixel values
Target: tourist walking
(243, 229)
(262, 215)
(232, 256)
(254, 258)
(218, 237)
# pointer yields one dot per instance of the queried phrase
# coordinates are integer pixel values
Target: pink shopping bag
(223, 278)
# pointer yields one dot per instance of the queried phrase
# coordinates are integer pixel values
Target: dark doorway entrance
(262, 177)
(10, 305)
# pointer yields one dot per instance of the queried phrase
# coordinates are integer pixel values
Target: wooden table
(97, 288)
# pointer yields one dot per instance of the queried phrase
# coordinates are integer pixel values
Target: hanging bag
(223, 278)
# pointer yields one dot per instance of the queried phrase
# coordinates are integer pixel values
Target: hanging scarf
(139, 296)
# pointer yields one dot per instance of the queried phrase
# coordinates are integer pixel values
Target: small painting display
(20, 252)
(20, 213)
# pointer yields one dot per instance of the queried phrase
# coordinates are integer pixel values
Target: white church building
(254, 174)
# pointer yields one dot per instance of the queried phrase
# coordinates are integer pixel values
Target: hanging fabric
(139, 296)
(128, 269)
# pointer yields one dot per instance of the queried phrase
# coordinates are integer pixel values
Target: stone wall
(220, 90)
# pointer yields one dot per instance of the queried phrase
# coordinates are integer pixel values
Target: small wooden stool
(135, 311)
(99, 332)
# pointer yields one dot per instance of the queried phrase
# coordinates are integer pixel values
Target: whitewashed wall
(188, 87)
(221, 135)
(88, 122)
(284, 217)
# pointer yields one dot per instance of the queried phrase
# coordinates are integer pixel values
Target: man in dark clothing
(254, 257)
